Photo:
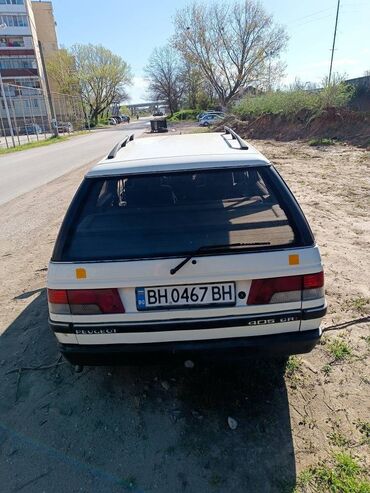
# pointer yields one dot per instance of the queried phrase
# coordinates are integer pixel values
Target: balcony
(13, 9)
(16, 43)
(16, 31)
(18, 52)
(19, 72)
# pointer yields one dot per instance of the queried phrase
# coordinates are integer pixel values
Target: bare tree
(165, 75)
(230, 43)
(271, 75)
(193, 83)
(198, 92)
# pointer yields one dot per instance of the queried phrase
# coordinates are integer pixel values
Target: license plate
(195, 295)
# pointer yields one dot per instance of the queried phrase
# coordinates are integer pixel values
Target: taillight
(313, 286)
(85, 301)
(286, 289)
(57, 296)
(58, 301)
(263, 290)
(311, 281)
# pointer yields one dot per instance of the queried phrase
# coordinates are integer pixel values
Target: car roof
(168, 153)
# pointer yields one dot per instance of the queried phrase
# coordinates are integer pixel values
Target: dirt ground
(166, 428)
(340, 124)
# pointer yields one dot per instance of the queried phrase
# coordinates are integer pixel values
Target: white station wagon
(186, 245)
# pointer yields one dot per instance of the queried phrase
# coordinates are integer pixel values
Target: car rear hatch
(184, 256)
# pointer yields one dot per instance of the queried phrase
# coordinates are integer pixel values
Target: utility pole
(3, 95)
(48, 92)
(7, 110)
(335, 35)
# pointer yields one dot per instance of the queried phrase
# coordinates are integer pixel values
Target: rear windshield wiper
(213, 248)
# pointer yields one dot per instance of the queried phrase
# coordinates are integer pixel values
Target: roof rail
(234, 135)
(121, 143)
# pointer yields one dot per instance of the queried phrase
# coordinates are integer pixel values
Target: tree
(93, 73)
(230, 43)
(124, 110)
(61, 69)
(193, 82)
(165, 75)
(271, 74)
(103, 77)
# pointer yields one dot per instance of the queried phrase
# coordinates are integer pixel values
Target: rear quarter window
(173, 214)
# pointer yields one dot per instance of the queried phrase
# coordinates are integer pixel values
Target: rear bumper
(276, 345)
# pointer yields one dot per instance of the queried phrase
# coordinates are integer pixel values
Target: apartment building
(45, 29)
(27, 34)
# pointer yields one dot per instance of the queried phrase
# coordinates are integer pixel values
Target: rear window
(172, 214)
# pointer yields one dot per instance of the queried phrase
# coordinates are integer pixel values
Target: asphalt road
(24, 171)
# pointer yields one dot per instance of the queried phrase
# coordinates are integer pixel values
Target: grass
(327, 369)
(342, 474)
(366, 339)
(321, 142)
(292, 371)
(364, 428)
(40, 143)
(338, 439)
(293, 101)
(339, 349)
(359, 303)
(292, 366)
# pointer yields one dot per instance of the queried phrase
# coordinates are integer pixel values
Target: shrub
(321, 142)
(184, 115)
(293, 365)
(124, 110)
(291, 102)
(339, 349)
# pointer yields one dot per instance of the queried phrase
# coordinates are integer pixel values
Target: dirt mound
(343, 125)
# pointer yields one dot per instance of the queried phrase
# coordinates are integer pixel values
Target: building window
(14, 20)
(25, 86)
(11, 2)
(17, 63)
(31, 103)
(32, 83)
(12, 41)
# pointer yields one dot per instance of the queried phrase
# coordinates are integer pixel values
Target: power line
(295, 26)
(310, 15)
(313, 14)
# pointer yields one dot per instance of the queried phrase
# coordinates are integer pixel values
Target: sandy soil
(165, 429)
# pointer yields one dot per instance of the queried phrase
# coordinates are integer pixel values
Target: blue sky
(133, 28)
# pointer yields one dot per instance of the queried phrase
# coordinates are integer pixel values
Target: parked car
(210, 119)
(65, 127)
(112, 121)
(125, 118)
(209, 112)
(31, 129)
(229, 266)
(158, 113)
